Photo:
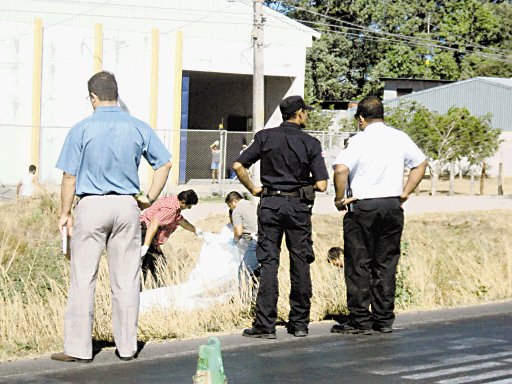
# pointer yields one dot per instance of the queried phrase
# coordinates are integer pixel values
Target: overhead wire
(367, 29)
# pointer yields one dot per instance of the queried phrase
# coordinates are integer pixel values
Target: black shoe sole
(268, 336)
(68, 359)
(351, 331)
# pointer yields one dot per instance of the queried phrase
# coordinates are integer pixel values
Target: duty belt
(277, 192)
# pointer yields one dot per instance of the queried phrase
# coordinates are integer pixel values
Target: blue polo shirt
(103, 151)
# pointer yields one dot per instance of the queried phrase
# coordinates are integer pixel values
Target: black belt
(277, 192)
(104, 194)
(378, 198)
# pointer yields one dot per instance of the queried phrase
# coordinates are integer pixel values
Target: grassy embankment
(448, 260)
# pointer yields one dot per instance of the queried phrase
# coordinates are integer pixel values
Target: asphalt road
(463, 345)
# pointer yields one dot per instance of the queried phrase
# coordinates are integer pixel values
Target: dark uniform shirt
(290, 158)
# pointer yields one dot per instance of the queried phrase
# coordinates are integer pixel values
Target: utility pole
(258, 80)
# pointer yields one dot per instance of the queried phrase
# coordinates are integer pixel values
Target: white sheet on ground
(213, 280)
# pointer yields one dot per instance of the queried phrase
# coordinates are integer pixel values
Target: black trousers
(151, 259)
(372, 236)
(287, 216)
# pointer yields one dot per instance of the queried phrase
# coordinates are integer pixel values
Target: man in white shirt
(371, 170)
(28, 184)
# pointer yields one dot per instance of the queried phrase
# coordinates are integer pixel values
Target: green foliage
(319, 120)
(365, 40)
(405, 294)
(448, 137)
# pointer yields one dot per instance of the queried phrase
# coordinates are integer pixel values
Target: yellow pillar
(153, 92)
(98, 48)
(178, 78)
(36, 92)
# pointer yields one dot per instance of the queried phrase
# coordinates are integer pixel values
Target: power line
(401, 39)
(369, 30)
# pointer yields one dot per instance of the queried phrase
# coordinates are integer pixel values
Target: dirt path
(415, 205)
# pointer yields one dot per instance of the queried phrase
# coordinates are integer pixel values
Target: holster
(307, 194)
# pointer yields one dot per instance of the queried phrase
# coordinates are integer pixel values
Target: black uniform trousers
(372, 236)
(289, 216)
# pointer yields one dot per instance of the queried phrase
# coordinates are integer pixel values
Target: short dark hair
(104, 85)
(233, 196)
(288, 116)
(189, 197)
(334, 253)
(370, 107)
(32, 168)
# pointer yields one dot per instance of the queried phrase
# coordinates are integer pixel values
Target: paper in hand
(65, 243)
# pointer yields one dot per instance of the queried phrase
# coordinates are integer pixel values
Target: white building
(179, 64)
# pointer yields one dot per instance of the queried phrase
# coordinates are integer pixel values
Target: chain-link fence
(193, 163)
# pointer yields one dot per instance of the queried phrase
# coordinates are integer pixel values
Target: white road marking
(483, 376)
(450, 371)
(451, 361)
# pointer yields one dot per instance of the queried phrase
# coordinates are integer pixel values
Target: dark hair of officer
(370, 108)
(334, 253)
(233, 196)
(32, 168)
(104, 86)
(189, 197)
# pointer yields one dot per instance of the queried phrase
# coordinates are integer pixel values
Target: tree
(446, 138)
(365, 40)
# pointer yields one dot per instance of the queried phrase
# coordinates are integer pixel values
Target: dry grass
(448, 260)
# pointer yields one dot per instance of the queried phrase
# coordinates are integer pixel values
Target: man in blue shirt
(100, 160)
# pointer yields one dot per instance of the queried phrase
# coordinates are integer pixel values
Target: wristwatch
(151, 201)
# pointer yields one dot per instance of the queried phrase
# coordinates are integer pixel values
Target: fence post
(37, 79)
(500, 179)
(221, 173)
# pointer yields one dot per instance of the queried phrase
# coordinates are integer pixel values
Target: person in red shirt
(158, 222)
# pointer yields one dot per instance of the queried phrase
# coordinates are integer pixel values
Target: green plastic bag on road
(210, 369)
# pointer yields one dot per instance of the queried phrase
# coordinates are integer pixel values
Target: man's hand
(256, 191)
(144, 250)
(404, 197)
(341, 204)
(143, 202)
(66, 220)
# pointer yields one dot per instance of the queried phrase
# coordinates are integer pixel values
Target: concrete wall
(67, 64)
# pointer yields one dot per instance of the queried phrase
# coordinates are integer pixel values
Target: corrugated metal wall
(477, 95)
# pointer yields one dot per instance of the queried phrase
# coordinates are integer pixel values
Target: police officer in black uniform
(292, 169)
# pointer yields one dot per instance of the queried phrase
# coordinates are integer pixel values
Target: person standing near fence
(215, 165)
(100, 159)
(292, 169)
(372, 168)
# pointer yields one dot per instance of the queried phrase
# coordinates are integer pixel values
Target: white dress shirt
(376, 158)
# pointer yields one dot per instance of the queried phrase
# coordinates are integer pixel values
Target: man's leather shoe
(382, 329)
(349, 329)
(124, 358)
(296, 332)
(300, 333)
(256, 333)
(61, 356)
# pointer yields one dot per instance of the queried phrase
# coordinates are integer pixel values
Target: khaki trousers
(110, 221)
